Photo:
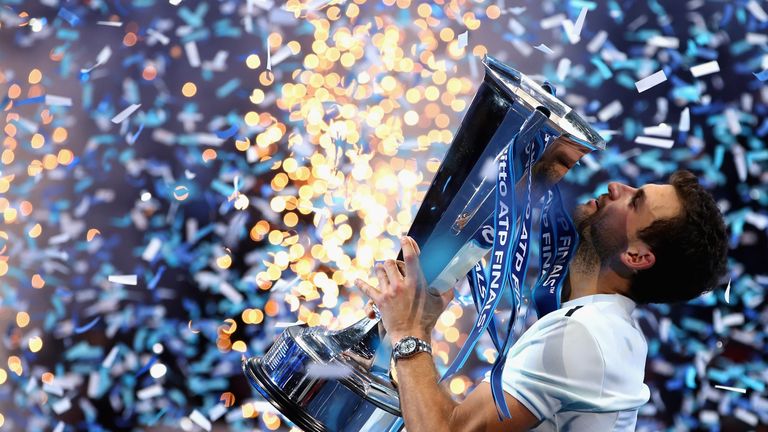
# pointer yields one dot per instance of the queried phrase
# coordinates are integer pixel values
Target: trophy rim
(505, 76)
(261, 382)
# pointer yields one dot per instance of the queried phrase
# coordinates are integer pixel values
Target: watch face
(408, 346)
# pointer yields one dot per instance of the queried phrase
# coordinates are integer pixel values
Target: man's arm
(409, 309)
(428, 407)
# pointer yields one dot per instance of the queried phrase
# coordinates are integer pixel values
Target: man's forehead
(661, 200)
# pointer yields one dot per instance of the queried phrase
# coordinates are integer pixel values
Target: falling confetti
(333, 117)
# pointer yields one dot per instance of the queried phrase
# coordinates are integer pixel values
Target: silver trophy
(457, 204)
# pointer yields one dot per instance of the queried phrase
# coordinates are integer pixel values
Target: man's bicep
(478, 413)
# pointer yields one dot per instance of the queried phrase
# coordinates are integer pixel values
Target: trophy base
(358, 401)
(264, 385)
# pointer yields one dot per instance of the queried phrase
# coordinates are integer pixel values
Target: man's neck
(593, 279)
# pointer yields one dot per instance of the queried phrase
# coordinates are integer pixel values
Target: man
(579, 368)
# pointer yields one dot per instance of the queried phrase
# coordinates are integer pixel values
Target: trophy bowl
(456, 207)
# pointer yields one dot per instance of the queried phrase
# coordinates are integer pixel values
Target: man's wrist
(395, 337)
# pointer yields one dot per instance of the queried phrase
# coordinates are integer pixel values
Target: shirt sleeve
(556, 368)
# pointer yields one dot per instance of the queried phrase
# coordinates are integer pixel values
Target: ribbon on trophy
(556, 231)
(509, 260)
(547, 291)
(478, 285)
(505, 215)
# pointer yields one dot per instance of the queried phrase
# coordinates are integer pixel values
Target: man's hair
(690, 249)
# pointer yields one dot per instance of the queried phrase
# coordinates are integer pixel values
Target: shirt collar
(624, 302)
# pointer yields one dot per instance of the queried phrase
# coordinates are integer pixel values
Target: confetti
(348, 100)
(650, 81)
(124, 114)
(124, 279)
(322, 370)
(705, 69)
(656, 142)
(462, 40)
(200, 420)
(757, 11)
(84, 328)
(545, 49)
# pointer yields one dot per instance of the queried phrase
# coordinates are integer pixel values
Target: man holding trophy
(581, 365)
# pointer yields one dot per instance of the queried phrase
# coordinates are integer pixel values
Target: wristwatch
(409, 346)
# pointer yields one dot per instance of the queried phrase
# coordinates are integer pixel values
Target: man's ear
(638, 256)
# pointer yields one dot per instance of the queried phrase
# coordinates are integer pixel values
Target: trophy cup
(457, 205)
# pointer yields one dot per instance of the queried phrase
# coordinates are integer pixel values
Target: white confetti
(152, 249)
(656, 142)
(515, 27)
(741, 163)
(573, 30)
(323, 370)
(754, 8)
(125, 114)
(463, 40)
(728, 292)
(553, 21)
(110, 358)
(110, 23)
(263, 407)
(610, 111)
(62, 406)
(705, 69)
(758, 220)
(756, 38)
(746, 416)
(523, 47)
(53, 389)
(217, 411)
(545, 49)
(662, 130)
(150, 392)
(651, 81)
(124, 279)
(101, 58)
(685, 120)
(192, 54)
(231, 293)
(733, 320)
(732, 120)
(52, 100)
(664, 42)
(155, 35)
(563, 67)
(597, 42)
(199, 419)
(288, 324)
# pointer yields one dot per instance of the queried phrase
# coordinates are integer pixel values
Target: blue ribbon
(562, 239)
(501, 254)
(520, 263)
(477, 282)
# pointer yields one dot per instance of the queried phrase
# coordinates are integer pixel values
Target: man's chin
(582, 217)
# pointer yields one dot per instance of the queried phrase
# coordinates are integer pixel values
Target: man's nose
(616, 190)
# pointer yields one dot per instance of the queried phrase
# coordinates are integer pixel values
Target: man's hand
(407, 308)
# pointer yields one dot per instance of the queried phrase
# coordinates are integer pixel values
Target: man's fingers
(381, 274)
(368, 290)
(369, 309)
(401, 267)
(393, 273)
(411, 256)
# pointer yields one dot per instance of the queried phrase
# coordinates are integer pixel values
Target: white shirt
(581, 367)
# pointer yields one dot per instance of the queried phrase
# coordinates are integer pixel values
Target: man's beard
(596, 248)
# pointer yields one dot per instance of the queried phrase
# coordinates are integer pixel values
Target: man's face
(611, 222)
